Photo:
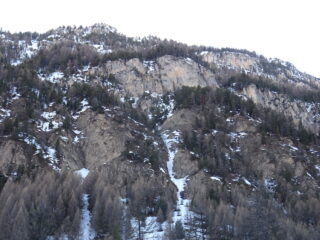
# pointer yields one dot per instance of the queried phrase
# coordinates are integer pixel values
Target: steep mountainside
(103, 136)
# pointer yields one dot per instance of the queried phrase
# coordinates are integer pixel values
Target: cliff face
(165, 74)
(250, 63)
(300, 112)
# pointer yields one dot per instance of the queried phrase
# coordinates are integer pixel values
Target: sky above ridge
(284, 29)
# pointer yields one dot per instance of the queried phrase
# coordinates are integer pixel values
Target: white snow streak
(182, 204)
(86, 232)
(215, 178)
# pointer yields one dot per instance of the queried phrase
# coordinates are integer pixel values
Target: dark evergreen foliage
(243, 80)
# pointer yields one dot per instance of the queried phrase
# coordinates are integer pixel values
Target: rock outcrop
(165, 74)
(308, 114)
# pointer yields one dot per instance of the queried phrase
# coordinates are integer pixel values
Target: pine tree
(21, 225)
(179, 230)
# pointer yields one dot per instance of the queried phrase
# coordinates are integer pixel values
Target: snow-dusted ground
(101, 48)
(49, 124)
(165, 108)
(14, 94)
(47, 152)
(4, 113)
(84, 107)
(317, 167)
(62, 237)
(78, 136)
(83, 173)
(170, 140)
(54, 77)
(149, 65)
(270, 185)
(86, 232)
(151, 231)
(26, 51)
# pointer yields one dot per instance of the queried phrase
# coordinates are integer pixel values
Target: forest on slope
(175, 141)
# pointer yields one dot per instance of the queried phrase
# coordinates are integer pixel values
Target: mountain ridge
(103, 28)
(108, 137)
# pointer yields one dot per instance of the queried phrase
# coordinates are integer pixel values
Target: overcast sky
(286, 29)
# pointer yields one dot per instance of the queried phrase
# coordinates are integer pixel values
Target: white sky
(285, 29)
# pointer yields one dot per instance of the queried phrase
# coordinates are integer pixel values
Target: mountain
(104, 136)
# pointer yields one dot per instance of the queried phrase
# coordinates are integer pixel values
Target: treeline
(164, 48)
(66, 56)
(150, 46)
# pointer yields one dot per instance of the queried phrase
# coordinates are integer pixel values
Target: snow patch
(215, 178)
(270, 185)
(4, 113)
(101, 49)
(14, 94)
(291, 148)
(26, 51)
(47, 152)
(49, 124)
(83, 173)
(54, 77)
(165, 108)
(246, 181)
(237, 134)
(204, 53)
(62, 237)
(189, 61)
(85, 105)
(162, 170)
(76, 139)
(77, 132)
(48, 115)
(79, 135)
(63, 138)
(317, 167)
(149, 65)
